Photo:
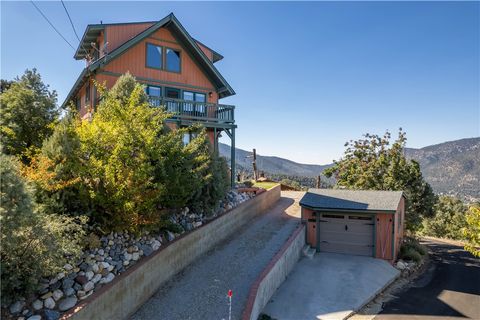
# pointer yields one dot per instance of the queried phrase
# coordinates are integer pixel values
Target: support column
(232, 158)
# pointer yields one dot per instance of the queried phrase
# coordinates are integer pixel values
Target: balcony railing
(192, 110)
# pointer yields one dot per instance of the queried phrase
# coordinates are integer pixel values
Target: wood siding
(121, 33)
(384, 232)
(205, 50)
(133, 61)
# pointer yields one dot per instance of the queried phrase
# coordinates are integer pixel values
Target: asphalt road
(450, 288)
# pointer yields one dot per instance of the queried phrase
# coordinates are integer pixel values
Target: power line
(71, 22)
(51, 24)
(73, 26)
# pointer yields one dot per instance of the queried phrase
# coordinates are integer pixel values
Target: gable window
(154, 56)
(173, 60)
(87, 93)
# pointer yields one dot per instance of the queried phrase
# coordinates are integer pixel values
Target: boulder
(57, 295)
(88, 286)
(67, 303)
(37, 304)
(52, 315)
(49, 303)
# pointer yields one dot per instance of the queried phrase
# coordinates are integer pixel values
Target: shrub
(27, 114)
(247, 183)
(471, 232)
(215, 187)
(120, 149)
(57, 172)
(411, 254)
(33, 244)
(448, 220)
(411, 249)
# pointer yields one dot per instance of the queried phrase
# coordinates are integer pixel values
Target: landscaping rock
(96, 278)
(57, 295)
(108, 278)
(49, 303)
(81, 280)
(89, 275)
(170, 236)
(67, 303)
(88, 286)
(35, 317)
(52, 315)
(401, 265)
(68, 267)
(46, 295)
(69, 292)
(16, 307)
(67, 283)
(37, 305)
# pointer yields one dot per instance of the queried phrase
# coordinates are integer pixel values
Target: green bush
(56, 172)
(411, 254)
(27, 114)
(33, 244)
(449, 219)
(411, 249)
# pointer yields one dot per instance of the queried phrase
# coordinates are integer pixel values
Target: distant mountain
(270, 164)
(451, 167)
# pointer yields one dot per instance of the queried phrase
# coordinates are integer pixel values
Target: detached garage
(358, 222)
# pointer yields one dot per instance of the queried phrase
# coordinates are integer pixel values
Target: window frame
(161, 56)
(154, 86)
(179, 59)
(180, 93)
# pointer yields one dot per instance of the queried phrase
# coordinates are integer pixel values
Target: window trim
(179, 57)
(146, 56)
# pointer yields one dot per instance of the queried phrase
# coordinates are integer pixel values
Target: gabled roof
(351, 200)
(171, 22)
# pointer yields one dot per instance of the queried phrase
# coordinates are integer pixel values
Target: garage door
(350, 234)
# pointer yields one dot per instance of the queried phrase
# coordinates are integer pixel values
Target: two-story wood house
(177, 70)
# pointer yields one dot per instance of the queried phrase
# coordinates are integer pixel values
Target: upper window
(154, 56)
(173, 60)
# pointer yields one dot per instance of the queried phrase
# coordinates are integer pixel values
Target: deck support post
(232, 159)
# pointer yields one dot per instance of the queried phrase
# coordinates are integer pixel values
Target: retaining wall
(123, 296)
(274, 274)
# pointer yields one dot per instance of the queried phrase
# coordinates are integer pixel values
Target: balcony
(195, 111)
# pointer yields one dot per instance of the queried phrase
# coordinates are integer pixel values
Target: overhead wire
(51, 24)
(73, 27)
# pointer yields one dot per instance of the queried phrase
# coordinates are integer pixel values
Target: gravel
(200, 291)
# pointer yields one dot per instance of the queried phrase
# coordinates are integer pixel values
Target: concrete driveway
(329, 286)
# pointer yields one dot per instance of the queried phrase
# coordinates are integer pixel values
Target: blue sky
(309, 76)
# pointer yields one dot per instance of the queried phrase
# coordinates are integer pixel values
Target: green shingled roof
(351, 200)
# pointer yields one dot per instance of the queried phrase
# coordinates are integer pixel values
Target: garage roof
(351, 200)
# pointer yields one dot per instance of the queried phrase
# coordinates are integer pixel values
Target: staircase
(308, 251)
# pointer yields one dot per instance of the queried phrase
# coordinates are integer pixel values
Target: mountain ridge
(451, 167)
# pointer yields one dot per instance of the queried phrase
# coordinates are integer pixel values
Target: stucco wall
(119, 299)
(274, 274)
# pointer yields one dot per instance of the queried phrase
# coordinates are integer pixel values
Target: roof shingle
(357, 200)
